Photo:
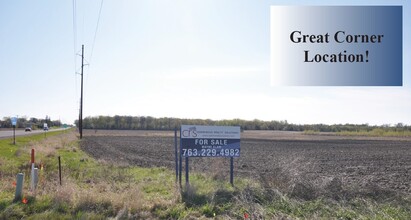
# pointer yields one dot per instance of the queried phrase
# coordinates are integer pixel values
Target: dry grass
(49, 146)
(88, 186)
(93, 189)
(100, 197)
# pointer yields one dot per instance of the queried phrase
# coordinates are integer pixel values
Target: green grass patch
(377, 132)
(8, 150)
(96, 190)
(311, 132)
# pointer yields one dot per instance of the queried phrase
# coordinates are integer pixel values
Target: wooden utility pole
(80, 122)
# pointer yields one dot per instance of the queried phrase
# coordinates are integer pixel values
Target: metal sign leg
(232, 171)
(187, 178)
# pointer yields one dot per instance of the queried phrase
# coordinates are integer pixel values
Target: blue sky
(188, 59)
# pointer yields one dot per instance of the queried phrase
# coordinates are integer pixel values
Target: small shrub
(208, 210)
(91, 204)
(192, 198)
(14, 211)
(311, 132)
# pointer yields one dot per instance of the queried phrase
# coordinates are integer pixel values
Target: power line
(74, 33)
(95, 32)
(82, 56)
(75, 42)
(94, 39)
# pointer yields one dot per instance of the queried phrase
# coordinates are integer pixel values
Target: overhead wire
(94, 39)
(75, 42)
(75, 35)
(95, 32)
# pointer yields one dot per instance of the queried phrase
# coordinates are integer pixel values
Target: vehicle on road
(28, 129)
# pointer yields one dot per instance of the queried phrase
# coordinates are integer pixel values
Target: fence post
(59, 170)
(19, 187)
(32, 181)
(36, 177)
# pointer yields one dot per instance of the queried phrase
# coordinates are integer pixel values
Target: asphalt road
(9, 133)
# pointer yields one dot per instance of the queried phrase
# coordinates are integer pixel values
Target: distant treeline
(151, 123)
(32, 122)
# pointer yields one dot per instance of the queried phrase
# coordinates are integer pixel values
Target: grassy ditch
(94, 189)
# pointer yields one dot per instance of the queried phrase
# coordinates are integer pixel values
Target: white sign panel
(210, 141)
(14, 121)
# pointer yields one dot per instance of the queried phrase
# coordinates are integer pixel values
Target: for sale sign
(210, 141)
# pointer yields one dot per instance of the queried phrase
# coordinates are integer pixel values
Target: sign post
(232, 171)
(14, 134)
(180, 163)
(209, 141)
(187, 177)
(175, 151)
(14, 123)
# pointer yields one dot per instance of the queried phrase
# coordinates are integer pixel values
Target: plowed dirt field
(307, 166)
